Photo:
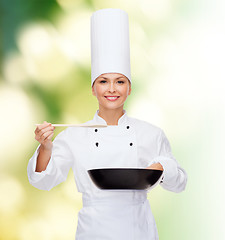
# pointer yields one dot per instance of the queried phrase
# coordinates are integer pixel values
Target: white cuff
(170, 171)
(37, 176)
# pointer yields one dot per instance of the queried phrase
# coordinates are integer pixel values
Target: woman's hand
(156, 166)
(43, 134)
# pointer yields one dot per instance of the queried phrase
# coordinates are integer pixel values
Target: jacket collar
(100, 120)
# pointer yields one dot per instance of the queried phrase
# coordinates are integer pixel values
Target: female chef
(126, 142)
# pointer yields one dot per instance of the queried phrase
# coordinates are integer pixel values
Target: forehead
(111, 75)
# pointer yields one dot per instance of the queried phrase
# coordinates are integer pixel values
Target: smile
(111, 98)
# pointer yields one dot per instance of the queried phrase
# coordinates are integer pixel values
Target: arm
(44, 134)
(174, 177)
(50, 166)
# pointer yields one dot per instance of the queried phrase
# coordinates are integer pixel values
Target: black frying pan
(124, 178)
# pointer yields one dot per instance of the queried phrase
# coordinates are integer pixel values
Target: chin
(111, 107)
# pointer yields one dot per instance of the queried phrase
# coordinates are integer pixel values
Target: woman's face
(111, 90)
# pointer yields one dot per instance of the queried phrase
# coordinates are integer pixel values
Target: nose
(111, 87)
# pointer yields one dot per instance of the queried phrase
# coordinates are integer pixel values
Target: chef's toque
(110, 46)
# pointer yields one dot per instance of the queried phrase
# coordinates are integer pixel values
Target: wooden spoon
(78, 125)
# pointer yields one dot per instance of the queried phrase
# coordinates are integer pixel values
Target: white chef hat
(110, 46)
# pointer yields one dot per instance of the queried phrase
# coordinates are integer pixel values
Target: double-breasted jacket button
(96, 144)
(128, 127)
(131, 144)
(96, 130)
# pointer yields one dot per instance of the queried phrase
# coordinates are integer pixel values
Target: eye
(102, 81)
(120, 81)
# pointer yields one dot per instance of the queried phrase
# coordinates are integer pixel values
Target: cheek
(99, 91)
(124, 90)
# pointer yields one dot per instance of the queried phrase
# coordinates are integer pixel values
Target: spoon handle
(77, 125)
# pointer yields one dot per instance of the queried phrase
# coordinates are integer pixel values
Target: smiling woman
(111, 90)
(125, 143)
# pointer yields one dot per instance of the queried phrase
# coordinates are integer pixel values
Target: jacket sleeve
(174, 177)
(57, 168)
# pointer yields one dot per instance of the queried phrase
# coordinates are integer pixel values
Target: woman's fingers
(156, 166)
(43, 135)
(46, 135)
(44, 132)
(50, 136)
(41, 127)
(45, 140)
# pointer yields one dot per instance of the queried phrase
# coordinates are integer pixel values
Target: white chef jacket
(110, 214)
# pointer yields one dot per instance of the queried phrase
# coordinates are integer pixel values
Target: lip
(112, 100)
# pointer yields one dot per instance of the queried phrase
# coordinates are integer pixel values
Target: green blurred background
(177, 66)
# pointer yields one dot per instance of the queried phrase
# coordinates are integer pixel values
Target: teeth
(112, 98)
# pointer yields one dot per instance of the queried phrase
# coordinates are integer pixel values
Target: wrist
(46, 149)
